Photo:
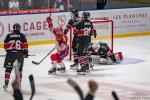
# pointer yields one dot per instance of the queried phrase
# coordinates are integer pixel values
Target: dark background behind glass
(78, 4)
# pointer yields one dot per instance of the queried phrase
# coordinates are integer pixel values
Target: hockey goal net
(104, 29)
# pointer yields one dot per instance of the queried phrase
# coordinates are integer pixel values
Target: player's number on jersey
(15, 44)
(87, 31)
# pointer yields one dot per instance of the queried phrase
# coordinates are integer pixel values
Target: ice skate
(61, 69)
(84, 70)
(74, 66)
(52, 71)
(91, 66)
(6, 85)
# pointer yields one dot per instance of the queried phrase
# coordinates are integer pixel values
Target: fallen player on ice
(102, 54)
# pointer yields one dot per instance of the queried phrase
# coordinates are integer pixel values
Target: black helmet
(16, 27)
(75, 12)
(85, 14)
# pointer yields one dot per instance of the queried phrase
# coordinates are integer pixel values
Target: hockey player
(71, 24)
(101, 53)
(16, 46)
(84, 30)
(61, 46)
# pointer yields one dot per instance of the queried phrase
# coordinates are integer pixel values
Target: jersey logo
(61, 20)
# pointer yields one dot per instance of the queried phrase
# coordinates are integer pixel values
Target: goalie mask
(95, 46)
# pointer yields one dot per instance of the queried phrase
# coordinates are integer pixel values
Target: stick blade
(36, 63)
(72, 83)
(32, 84)
(76, 87)
(115, 96)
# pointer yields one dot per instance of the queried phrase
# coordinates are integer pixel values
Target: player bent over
(16, 46)
(102, 54)
(61, 46)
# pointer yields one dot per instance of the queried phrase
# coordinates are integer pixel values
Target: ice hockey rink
(130, 79)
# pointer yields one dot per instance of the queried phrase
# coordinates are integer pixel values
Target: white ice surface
(130, 79)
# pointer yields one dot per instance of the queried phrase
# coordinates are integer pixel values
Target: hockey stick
(114, 94)
(32, 84)
(76, 87)
(37, 63)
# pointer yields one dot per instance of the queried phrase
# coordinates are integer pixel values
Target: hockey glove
(66, 31)
(49, 20)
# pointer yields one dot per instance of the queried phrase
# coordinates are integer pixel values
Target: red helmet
(59, 31)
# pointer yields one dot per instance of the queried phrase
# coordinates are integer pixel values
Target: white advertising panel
(34, 26)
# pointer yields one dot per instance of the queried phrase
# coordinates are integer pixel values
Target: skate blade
(81, 73)
(62, 71)
(74, 68)
(54, 73)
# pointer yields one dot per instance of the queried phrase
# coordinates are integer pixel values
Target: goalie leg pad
(118, 57)
(106, 61)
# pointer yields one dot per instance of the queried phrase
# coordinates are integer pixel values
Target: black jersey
(15, 42)
(84, 28)
(71, 24)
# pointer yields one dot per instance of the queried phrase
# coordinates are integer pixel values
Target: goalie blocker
(102, 54)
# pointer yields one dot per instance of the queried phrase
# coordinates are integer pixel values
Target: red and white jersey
(61, 43)
(61, 47)
(61, 39)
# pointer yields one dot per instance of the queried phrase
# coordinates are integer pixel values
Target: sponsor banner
(35, 27)
(126, 20)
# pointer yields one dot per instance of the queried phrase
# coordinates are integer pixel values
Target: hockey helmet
(75, 12)
(85, 14)
(95, 46)
(16, 27)
(59, 31)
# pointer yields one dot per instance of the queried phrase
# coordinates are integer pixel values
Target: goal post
(104, 30)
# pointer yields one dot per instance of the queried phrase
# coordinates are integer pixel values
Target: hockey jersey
(84, 28)
(71, 24)
(15, 42)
